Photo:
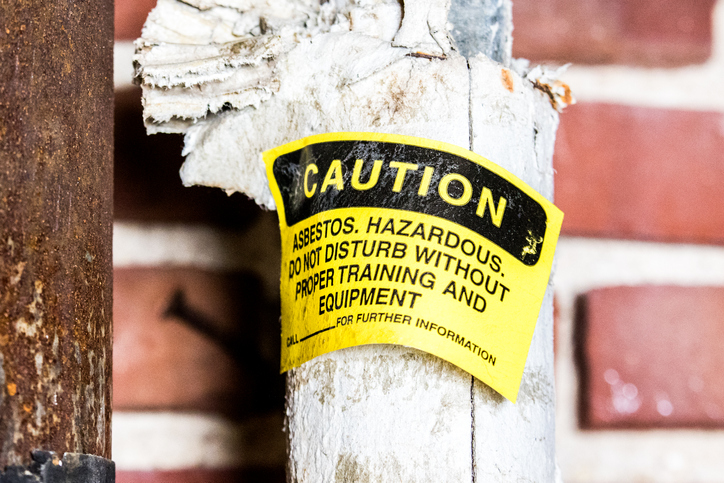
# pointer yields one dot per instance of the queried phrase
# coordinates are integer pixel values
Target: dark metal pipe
(56, 140)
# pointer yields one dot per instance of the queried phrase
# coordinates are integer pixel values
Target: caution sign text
(393, 239)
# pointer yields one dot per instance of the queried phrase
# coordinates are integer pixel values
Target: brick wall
(639, 274)
(640, 271)
(197, 391)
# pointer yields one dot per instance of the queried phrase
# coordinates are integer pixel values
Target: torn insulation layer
(241, 76)
(366, 66)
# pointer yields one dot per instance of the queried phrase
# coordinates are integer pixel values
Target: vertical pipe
(391, 413)
(375, 412)
(56, 139)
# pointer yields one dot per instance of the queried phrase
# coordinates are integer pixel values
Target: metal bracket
(47, 467)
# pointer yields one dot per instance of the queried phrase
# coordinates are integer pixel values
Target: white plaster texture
(513, 125)
(373, 413)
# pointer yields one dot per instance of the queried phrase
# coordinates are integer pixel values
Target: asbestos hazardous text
(401, 240)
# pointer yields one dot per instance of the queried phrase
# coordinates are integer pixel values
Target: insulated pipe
(238, 81)
(390, 413)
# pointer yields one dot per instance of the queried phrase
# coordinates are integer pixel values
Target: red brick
(271, 475)
(219, 353)
(643, 32)
(651, 357)
(130, 16)
(147, 186)
(642, 173)
(649, 32)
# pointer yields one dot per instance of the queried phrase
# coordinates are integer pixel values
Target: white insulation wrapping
(239, 77)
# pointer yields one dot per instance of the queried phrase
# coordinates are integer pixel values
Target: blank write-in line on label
(317, 333)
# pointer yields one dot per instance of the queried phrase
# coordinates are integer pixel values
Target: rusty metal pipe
(56, 140)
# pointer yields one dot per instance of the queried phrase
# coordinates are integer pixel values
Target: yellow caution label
(391, 239)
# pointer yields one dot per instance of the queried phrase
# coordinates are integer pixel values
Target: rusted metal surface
(557, 91)
(56, 103)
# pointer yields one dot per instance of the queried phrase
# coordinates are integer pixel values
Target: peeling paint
(78, 358)
(547, 81)
(507, 79)
(2, 378)
(532, 247)
(19, 268)
(39, 415)
(39, 363)
(24, 328)
(101, 415)
(91, 365)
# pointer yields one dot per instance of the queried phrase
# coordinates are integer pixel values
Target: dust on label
(401, 240)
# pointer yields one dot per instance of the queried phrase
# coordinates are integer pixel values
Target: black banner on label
(338, 174)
